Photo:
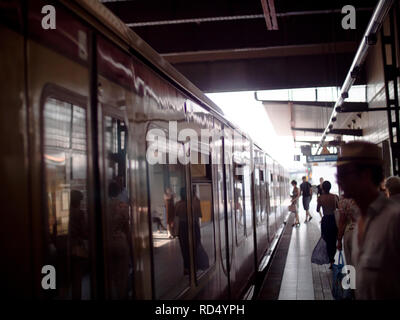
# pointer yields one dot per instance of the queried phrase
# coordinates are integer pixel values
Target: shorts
(306, 202)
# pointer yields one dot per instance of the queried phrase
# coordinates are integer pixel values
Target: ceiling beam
(320, 104)
(259, 53)
(346, 106)
(269, 14)
(347, 132)
(269, 74)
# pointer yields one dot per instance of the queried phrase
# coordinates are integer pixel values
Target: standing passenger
(170, 211)
(329, 203)
(348, 215)
(295, 202)
(393, 188)
(320, 191)
(183, 232)
(306, 192)
(376, 239)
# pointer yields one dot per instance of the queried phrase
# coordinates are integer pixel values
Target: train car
(88, 197)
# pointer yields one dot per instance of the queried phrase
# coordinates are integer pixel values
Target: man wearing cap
(376, 237)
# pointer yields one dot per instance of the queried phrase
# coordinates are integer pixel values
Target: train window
(203, 226)
(118, 210)
(170, 234)
(65, 167)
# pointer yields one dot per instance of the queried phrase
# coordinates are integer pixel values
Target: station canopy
(225, 45)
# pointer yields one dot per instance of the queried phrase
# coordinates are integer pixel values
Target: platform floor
(291, 269)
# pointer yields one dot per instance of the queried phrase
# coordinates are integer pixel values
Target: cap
(360, 152)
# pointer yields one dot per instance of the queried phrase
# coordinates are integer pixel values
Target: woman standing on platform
(294, 207)
(329, 203)
(348, 215)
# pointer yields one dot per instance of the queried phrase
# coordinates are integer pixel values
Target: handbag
(320, 253)
(338, 292)
(292, 208)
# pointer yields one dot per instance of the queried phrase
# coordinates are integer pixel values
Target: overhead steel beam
(347, 132)
(320, 104)
(269, 14)
(268, 74)
(260, 53)
(333, 143)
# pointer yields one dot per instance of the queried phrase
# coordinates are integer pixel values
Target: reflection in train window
(203, 226)
(257, 200)
(263, 196)
(169, 220)
(65, 158)
(239, 210)
(247, 200)
(118, 210)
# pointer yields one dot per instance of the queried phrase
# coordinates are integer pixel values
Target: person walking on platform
(306, 192)
(319, 192)
(393, 188)
(376, 237)
(294, 207)
(329, 203)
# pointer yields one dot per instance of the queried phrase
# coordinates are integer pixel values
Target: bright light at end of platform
(249, 115)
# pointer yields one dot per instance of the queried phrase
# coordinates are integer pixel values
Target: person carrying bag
(338, 292)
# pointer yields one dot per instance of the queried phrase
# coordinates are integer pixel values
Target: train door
(62, 191)
(219, 178)
(114, 99)
(16, 260)
(202, 202)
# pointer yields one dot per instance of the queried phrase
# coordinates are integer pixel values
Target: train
(85, 214)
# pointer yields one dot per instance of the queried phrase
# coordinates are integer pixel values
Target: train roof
(145, 51)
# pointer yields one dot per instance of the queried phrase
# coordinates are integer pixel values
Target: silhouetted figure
(118, 226)
(306, 192)
(329, 203)
(158, 222)
(320, 191)
(376, 237)
(77, 233)
(295, 203)
(170, 211)
(348, 215)
(393, 189)
(202, 261)
(183, 234)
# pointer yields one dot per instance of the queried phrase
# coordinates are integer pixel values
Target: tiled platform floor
(303, 280)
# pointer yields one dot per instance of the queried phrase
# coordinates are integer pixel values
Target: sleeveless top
(328, 202)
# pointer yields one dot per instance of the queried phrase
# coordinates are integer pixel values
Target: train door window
(247, 191)
(118, 219)
(217, 159)
(257, 195)
(230, 207)
(65, 174)
(203, 226)
(262, 196)
(239, 210)
(169, 227)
